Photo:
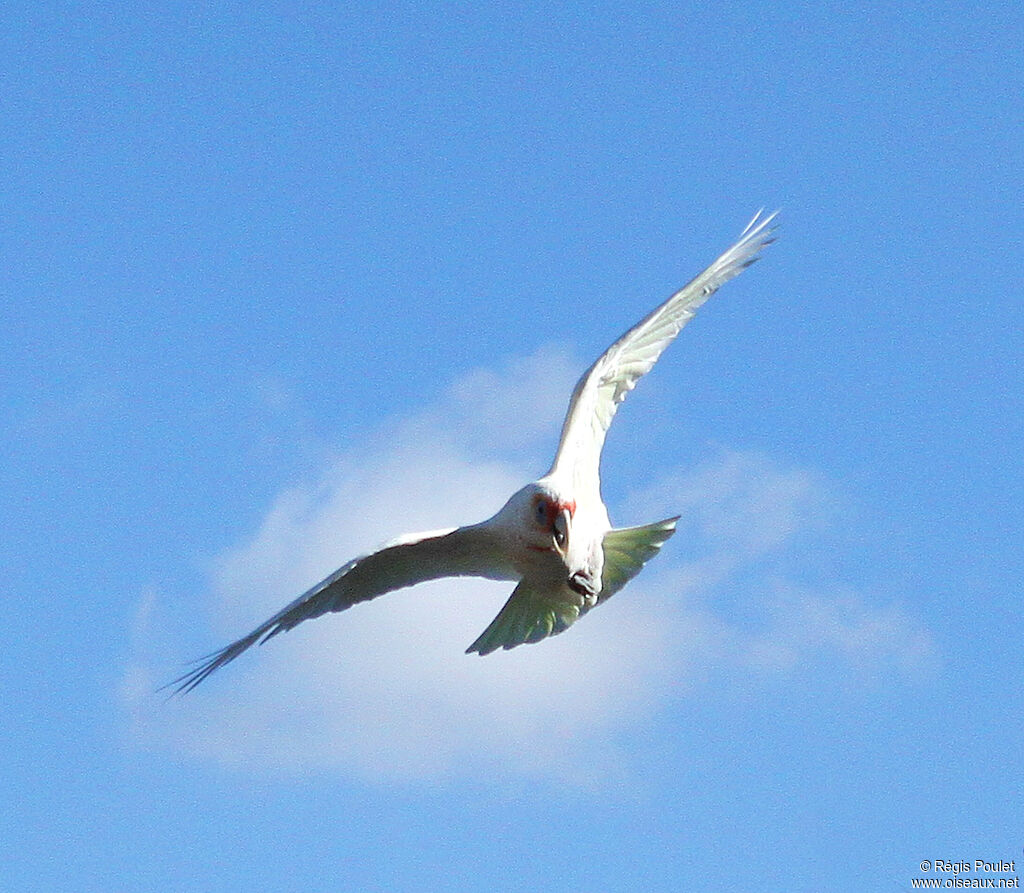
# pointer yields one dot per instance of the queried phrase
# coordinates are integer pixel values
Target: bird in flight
(553, 536)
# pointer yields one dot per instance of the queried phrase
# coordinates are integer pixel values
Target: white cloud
(743, 503)
(385, 691)
(799, 632)
(804, 625)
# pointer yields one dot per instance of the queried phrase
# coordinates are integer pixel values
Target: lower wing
(465, 551)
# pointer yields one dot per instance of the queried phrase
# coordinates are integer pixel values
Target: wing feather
(605, 385)
(532, 613)
(465, 551)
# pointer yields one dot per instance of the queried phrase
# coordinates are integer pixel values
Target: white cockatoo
(553, 536)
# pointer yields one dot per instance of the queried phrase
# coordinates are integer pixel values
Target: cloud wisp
(384, 690)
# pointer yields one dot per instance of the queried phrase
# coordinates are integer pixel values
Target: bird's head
(549, 521)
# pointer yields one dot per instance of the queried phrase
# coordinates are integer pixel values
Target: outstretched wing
(465, 551)
(604, 386)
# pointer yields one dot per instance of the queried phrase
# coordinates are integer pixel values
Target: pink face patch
(553, 509)
(560, 507)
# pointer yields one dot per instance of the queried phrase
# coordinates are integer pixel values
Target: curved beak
(561, 529)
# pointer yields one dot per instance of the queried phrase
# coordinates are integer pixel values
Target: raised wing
(465, 551)
(604, 386)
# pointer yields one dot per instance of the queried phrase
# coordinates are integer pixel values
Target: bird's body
(553, 536)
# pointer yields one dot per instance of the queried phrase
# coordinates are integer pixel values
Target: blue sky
(281, 282)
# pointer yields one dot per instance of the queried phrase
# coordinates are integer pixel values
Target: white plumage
(553, 536)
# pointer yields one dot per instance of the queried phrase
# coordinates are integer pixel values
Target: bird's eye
(540, 511)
